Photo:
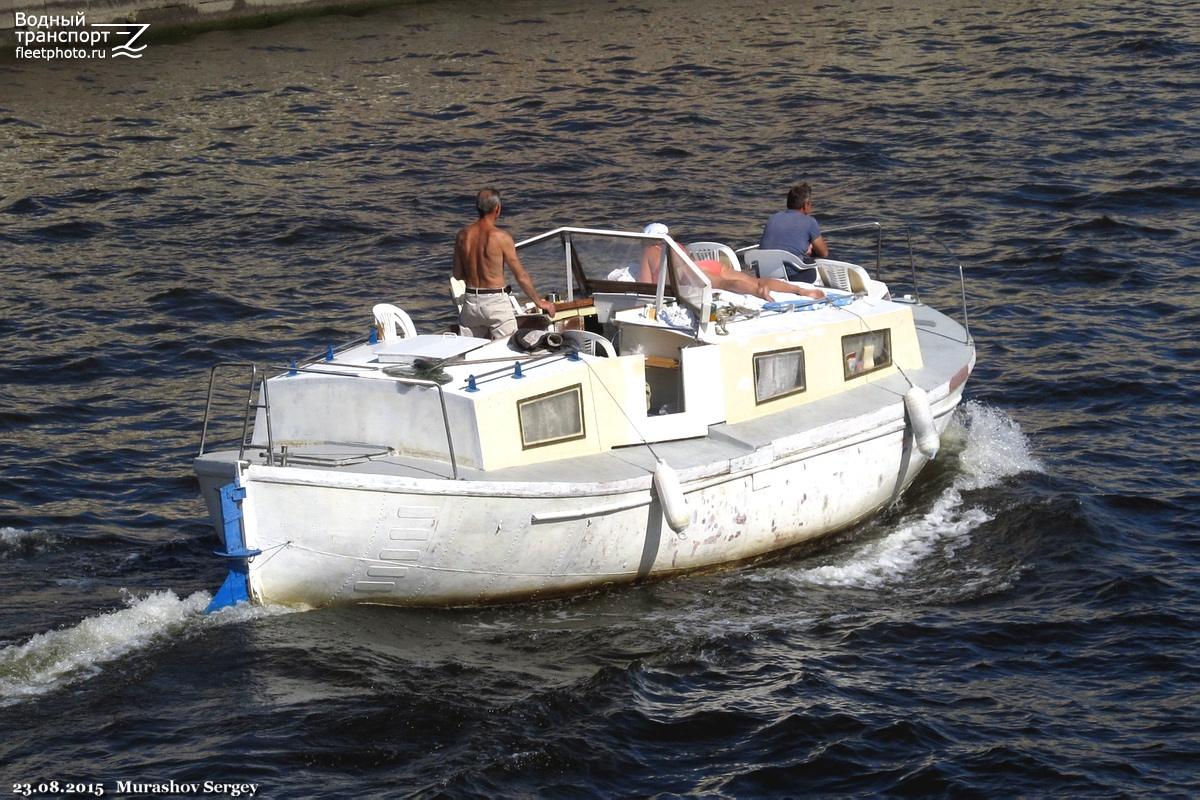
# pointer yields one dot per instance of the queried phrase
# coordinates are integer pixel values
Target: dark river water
(1023, 622)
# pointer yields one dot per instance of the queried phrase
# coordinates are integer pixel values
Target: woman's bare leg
(734, 281)
(769, 285)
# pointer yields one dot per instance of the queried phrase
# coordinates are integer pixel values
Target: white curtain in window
(778, 373)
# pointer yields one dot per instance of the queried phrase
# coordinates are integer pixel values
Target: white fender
(920, 417)
(670, 495)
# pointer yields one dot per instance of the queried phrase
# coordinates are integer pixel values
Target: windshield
(611, 261)
(587, 257)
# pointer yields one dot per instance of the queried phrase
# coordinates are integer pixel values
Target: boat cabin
(624, 361)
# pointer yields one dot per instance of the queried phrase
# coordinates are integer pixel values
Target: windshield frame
(682, 281)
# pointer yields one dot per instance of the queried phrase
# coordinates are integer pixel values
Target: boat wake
(14, 541)
(990, 448)
(49, 661)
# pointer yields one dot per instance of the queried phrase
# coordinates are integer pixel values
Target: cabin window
(778, 374)
(866, 352)
(551, 418)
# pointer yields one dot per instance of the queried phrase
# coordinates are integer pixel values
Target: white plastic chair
(392, 322)
(773, 263)
(846, 277)
(588, 342)
(714, 251)
(458, 292)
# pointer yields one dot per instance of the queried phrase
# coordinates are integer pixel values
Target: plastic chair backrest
(458, 291)
(392, 322)
(772, 263)
(587, 342)
(843, 276)
(834, 276)
(714, 251)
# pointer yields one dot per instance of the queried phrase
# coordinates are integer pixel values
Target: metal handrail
(250, 404)
(912, 265)
(311, 368)
(962, 281)
(878, 241)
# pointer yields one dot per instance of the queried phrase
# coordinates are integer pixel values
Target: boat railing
(317, 368)
(865, 226)
(248, 407)
(908, 233)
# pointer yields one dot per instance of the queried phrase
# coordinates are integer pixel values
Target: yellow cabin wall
(605, 426)
(719, 386)
(823, 368)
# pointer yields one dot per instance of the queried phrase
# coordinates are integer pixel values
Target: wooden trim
(624, 287)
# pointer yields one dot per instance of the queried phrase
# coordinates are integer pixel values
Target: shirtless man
(481, 252)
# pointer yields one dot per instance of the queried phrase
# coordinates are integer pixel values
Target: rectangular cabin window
(866, 352)
(778, 374)
(552, 417)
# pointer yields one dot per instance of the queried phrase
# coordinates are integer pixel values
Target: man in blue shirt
(794, 230)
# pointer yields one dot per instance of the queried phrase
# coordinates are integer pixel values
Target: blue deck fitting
(373, 336)
(471, 387)
(517, 370)
(236, 588)
(329, 353)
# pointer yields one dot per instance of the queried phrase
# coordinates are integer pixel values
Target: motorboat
(647, 430)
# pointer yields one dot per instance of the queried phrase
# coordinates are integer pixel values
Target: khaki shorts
(488, 316)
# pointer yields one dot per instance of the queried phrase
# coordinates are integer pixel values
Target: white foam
(884, 561)
(14, 538)
(59, 658)
(993, 448)
(51, 659)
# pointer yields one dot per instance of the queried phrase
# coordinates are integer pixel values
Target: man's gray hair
(487, 201)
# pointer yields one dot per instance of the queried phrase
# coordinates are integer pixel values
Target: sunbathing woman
(719, 275)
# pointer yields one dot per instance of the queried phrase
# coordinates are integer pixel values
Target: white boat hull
(333, 537)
